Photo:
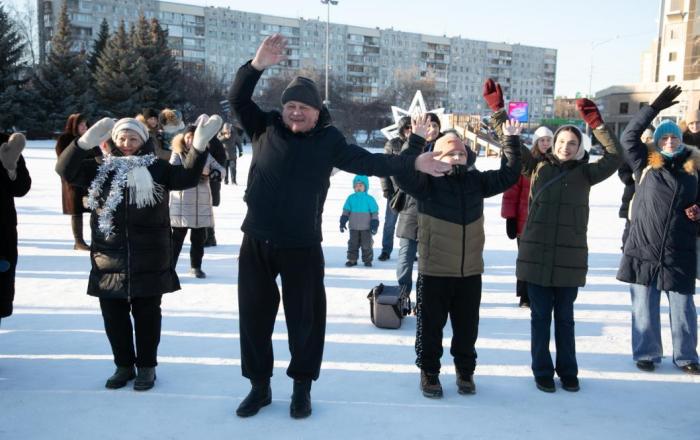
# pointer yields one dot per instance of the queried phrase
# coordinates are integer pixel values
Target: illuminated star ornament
(417, 107)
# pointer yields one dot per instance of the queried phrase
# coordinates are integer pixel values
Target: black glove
(240, 153)
(512, 228)
(215, 176)
(373, 226)
(666, 98)
(458, 170)
(343, 223)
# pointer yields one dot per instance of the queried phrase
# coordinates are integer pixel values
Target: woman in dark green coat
(553, 253)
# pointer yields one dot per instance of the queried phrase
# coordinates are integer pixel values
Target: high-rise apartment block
(369, 60)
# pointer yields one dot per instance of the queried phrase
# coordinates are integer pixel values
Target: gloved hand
(96, 134)
(666, 98)
(458, 170)
(512, 228)
(207, 128)
(343, 222)
(10, 152)
(240, 153)
(373, 226)
(493, 95)
(589, 112)
(215, 175)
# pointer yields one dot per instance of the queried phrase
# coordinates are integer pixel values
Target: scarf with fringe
(128, 171)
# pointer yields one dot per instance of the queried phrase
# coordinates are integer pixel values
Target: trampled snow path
(54, 356)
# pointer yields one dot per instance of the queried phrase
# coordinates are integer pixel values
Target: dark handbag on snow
(388, 305)
(398, 201)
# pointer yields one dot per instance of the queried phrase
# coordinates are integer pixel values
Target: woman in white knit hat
(131, 236)
(514, 204)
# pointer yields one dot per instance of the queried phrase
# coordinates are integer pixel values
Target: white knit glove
(96, 134)
(10, 152)
(206, 129)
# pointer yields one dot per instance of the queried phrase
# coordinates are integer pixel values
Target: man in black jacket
(293, 155)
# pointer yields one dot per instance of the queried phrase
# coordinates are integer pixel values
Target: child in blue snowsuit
(361, 216)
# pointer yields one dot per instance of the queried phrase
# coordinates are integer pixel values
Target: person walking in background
(131, 258)
(553, 251)
(451, 244)
(71, 196)
(389, 189)
(514, 204)
(660, 254)
(191, 209)
(231, 140)
(14, 182)
(407, 226)
(361, 217)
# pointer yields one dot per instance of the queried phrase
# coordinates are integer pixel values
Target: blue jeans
(646, 325)
(560, 300)
(404, 266)
(390, 218)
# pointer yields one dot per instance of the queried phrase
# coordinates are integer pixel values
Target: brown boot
(430, 385)
(76, 223)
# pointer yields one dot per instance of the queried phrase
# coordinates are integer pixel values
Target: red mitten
(589, 112)
(493, 95)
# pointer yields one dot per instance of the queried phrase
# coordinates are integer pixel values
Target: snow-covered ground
(54, 355)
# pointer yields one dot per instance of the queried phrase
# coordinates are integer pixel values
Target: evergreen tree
(145, 49)
(99, 45)
(120, 76)
(163, 69)
(62, 83)
(12, 93)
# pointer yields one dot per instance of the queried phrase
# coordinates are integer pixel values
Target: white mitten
(10, 152)
(207, 128)
(96, 134)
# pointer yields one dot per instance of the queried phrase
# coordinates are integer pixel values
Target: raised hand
(272, 50)
(493, 95)
(512, 128)
(420, 125)
(589, 112)
(426, 163)
(666, 98)
(207, 127)
(10, 152)
(96, 134)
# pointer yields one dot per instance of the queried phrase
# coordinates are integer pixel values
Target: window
(672, 56)
(670, 78)
(624, 108)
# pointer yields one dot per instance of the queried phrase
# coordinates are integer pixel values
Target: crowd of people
(150, 179)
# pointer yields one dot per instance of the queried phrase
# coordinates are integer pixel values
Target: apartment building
(368, 60)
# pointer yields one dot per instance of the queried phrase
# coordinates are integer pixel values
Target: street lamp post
(328, 3)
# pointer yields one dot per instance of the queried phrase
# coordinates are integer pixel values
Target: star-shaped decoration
(417, 107)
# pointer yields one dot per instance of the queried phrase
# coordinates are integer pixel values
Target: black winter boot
(430, 385)
(465, 383)
(120, 377)
(545, 383)
(145, 379)
(76, 223)
(570, 383)
(300, 407)
(260, 395)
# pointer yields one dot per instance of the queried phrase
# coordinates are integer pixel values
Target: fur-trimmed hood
(178, 144)
(691, 159)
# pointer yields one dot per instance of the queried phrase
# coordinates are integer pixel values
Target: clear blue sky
(571, 27)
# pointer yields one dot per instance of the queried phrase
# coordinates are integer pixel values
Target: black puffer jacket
(290, 173)
(136, 261)
(661, 241)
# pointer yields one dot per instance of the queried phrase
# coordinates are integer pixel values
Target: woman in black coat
(659, 254)
(131, 251)
(14, 182)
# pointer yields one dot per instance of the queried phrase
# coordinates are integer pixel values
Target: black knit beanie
(303, 90)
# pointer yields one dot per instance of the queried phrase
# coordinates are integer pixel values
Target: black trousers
(147, 321)
(230, 165)
(304, 299)
(438, 297)
(8, 251)
(360, 239)
(197, 238)
(521, 286)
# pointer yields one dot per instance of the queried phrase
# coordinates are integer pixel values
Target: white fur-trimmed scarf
(128, 171)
